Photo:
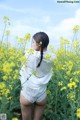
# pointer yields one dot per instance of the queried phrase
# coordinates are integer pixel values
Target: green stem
(56, 102)
(7, 42)
(3, 32)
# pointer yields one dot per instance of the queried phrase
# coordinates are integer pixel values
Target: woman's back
(39, 75)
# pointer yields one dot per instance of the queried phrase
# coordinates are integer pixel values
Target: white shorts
(33, 95)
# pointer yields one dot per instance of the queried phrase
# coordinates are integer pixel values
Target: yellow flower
(60, 52)
(16, 71)
(68, 72)
(64, 41)
(5, 77)
(70, 65)
(30, 51)
(71, 95)
(35, 73)
(51, 48)
(3, 89)
(75, 44)
(76, 72)
(12, 64)
(60, 83)
(7, 91)
(15, 77)
(76, 80)
(63, 88)
(76, 28)
(7, 67)
(27, 36)
(59, 66)
(2, 85)
(48, 92)
(71, 79)
(22, 59)
(72, 84)
(15, 118)
(9, 98)
(47, 57)
(40, 43)
(78, 113)
(7, 32)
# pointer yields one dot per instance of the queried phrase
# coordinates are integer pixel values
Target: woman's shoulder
(49, 56)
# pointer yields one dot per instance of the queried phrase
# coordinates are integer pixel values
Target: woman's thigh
(24, 101)
(39, 109)
(42, 102)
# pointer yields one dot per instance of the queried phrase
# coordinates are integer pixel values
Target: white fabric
(34, 86)
(33, 95)
(40, 80)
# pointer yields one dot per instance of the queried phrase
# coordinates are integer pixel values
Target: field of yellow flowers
(63, 89)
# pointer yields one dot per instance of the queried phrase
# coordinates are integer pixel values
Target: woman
(34, 89)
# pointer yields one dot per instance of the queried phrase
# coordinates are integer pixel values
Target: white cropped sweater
(43, 73)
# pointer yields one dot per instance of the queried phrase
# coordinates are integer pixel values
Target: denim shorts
(33, 95)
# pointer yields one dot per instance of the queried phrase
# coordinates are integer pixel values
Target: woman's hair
(42, 39)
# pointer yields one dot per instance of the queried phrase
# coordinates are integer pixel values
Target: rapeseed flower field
(63, 89)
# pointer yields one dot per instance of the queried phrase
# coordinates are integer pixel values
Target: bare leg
(39, 109)
(26, 108)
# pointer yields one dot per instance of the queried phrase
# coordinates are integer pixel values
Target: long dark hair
(42, 38)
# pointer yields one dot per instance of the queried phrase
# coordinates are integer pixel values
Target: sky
(31, 16)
